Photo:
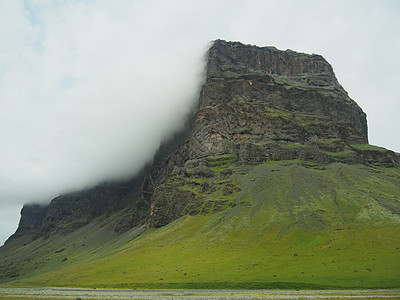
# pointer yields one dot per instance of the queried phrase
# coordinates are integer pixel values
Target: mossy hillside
(23, 256)
(187, 254)
(222, 182)
(292, 227)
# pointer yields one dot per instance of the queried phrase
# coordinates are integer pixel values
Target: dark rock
(169, 203)
(67, 213)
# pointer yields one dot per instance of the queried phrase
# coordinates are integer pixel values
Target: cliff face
(257, 105)
(68, 212)
(297, 82)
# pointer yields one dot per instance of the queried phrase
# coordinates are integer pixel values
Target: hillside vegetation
(285, 224)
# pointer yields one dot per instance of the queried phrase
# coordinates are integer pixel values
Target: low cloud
(86, 95)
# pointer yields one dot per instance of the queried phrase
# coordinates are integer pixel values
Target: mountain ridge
(233, 72)
(274, 141)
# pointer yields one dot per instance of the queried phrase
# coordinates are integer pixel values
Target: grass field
(294, 227)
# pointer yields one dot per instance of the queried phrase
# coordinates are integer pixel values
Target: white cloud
(89, 88)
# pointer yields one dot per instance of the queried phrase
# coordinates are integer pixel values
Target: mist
(90, 97)
(89, 89)
(86, 95)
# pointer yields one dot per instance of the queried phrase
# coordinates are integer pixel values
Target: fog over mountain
(89, 89)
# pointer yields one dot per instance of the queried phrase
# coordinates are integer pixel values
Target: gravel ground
(86, 294)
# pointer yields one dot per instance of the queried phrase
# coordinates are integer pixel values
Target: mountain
(272, 184)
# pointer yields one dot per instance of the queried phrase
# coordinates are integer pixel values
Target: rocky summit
(275, 159)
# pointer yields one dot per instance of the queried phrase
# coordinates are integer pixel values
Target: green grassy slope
(295, 225)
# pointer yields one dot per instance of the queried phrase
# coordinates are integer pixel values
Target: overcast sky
(88, 89)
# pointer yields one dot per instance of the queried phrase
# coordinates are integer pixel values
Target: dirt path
(86, 294)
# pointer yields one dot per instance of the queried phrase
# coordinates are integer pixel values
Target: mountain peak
(283, 79)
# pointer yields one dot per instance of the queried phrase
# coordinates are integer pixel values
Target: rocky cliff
(69, 212)
(256, 105)
(288, 80)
